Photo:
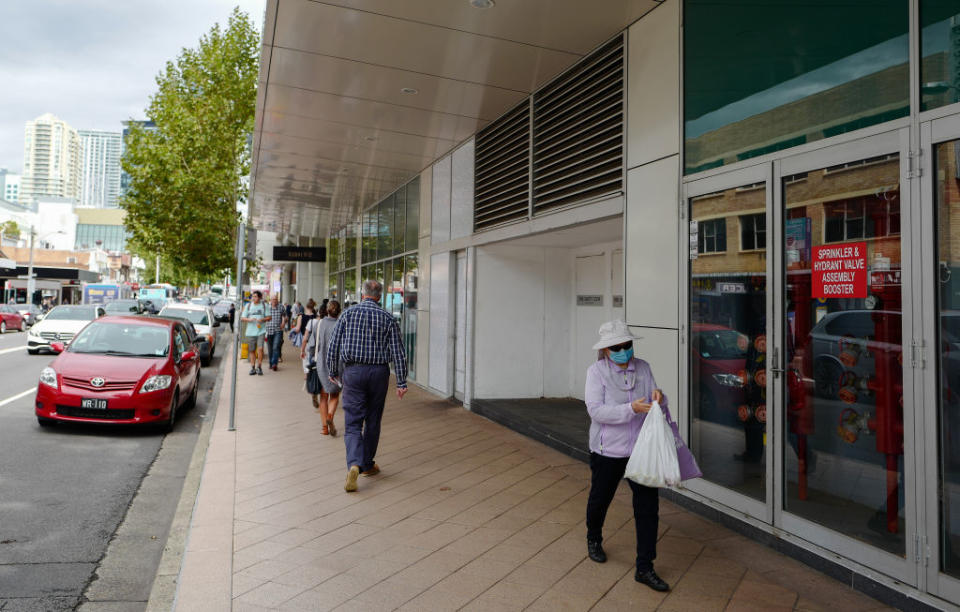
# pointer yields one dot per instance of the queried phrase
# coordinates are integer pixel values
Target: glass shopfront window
(408, 320)
(728, 293)
(940, 52)
(947, 192)
(843, 426)
(760, 77)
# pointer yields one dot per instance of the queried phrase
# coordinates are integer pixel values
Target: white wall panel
(440, 196)
(660, 348)
(441, 323)
(653, 85)
(509, 322)
(461, 196)
(426, 205)
(558, 317)
(652, 258)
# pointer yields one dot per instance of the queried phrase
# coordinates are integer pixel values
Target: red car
(123, 370)
(10, 318)
(719, 360)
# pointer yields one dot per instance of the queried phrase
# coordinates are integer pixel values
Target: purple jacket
(614, 426)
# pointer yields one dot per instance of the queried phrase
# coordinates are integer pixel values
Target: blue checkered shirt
(276, 314)
(367, 334)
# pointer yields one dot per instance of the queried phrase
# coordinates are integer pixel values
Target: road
(65, 490)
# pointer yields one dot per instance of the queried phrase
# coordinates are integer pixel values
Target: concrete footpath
(465, 514)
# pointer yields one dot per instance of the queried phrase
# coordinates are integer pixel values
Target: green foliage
(10, 229)
(188, 175)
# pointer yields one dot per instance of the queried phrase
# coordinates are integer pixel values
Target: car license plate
(96, 404)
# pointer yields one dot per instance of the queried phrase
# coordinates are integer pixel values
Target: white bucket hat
(613, 333)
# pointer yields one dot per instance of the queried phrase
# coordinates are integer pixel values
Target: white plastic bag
(653, 462)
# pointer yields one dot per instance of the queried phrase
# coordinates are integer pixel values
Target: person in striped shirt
(365, 340)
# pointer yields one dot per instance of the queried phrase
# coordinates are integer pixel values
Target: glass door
(938, 353)
(728, 310)
(845, 462)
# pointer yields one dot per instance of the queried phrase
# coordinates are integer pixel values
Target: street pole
(156, 277)
(238, 325)
(31, 284)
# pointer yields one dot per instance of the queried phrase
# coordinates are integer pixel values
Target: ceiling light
(482, 4)
(410, 90)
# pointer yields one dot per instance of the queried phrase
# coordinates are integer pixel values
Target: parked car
(201, 343)
(119, 307)
(202, 319)
(201, 301)
(719, 359)
(221, 310)
(10, 318)
(60, 325)
(29, 312)
(841, 341)
(121, 370)
(153, 305)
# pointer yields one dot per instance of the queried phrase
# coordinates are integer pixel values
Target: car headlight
(49, 377)
(156, 383)
(728, 380)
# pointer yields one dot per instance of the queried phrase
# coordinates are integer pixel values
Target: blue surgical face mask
(621, 357)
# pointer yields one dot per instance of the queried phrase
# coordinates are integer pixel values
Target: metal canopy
(357, 97)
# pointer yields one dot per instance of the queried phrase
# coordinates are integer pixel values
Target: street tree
(10, 229)
(187, 176)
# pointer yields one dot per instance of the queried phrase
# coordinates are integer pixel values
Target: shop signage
(618, 301)
(840, 271)
(589, 300)
(885, 278)
(732, 287)
(289, 253)
(798, 240)
(694, 239)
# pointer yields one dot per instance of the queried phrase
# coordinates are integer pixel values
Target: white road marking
(17, 396)
(16, 348)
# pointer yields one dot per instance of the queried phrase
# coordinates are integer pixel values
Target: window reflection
(765, 76)
(948, 277)
(844, 378)
(728, 337)
(940, 46)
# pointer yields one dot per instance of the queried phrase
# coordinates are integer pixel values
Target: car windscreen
(721, 344)
(122, 339)
(197, 317)
(72, 313)
(120, 307)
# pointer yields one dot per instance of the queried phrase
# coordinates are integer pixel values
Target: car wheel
(46, 422)
(192, 401)
(826, 376)
(3, 327)
(172, 419)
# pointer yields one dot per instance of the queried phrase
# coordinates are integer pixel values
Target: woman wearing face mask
(619, 392)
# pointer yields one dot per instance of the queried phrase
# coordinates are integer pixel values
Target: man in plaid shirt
(364, 341)
(275, 325)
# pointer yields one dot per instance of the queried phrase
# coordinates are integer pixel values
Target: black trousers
(607, 472)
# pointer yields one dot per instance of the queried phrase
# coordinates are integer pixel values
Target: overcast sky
(93, 62)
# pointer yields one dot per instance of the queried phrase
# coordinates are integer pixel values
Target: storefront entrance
(801, 395)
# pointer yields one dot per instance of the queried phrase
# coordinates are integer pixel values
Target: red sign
(840, 271)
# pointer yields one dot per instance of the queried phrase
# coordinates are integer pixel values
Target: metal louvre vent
(578, 132)
(502, 169)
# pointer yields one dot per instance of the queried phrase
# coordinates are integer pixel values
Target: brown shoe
(372, 471)
(331, 427)
(352, 475)
(325, 431)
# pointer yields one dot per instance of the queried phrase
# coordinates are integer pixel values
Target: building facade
(765, 192)
(9, 185)
(100, 178)
(101, 229)
(52, 159)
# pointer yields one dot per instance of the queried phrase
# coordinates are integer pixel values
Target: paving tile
(557, 601)
(676, 602)
(270, 594)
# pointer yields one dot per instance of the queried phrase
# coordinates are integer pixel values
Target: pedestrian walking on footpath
(254, 314)
(366, 339)
(330, 395)
(233, 315)
(307, 346)
(277, 319)
(618, 394)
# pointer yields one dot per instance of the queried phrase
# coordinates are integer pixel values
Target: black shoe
(253, 371)
(595, 551)
(260, 371)
(651, 579)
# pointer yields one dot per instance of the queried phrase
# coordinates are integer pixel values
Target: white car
(60, 325)
(202, 318)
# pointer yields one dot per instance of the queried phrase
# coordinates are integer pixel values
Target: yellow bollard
(244, 350)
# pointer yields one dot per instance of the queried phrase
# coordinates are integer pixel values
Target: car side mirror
(57, 347)
(188, 356)
(216, 322)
